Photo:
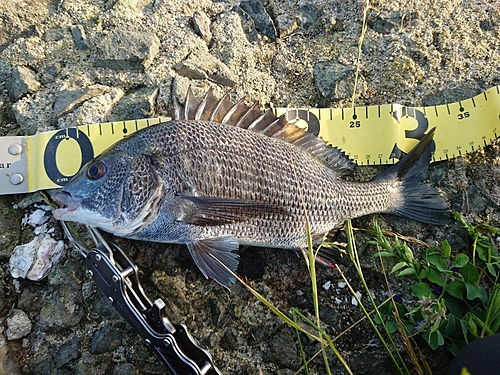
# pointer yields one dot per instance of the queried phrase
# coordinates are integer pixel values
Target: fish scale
(249, 179)
(206, 171)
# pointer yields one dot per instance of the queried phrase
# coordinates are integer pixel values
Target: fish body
(222, 175)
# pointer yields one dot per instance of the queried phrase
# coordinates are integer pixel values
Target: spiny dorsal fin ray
(251, 118)
(190, 105)
(236, 111)
(206, 107)
(223, 106)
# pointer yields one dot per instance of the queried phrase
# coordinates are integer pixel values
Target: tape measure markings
(371, 135)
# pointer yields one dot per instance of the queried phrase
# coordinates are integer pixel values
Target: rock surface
(72, 62)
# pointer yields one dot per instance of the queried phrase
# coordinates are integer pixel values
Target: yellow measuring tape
(370, 135)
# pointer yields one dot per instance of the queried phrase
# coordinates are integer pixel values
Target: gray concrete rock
(18, 324)
(126, 50)
(2, 293)
(136, 104)
(124, 369)
(67, 352)
(286, 24)
(334, 81)
(8, 361)
(282, 349)
(40, 365)
(55, 34)
(200, 64)
(95, 364)
(105, 340)
(263, 22)
(201, 24)
(62, 307)
(23, 81)
(310, 17)
(454, 94)
(247, 24)
(69, 100)
(80, 37)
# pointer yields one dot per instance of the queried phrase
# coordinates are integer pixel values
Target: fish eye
(96, 170)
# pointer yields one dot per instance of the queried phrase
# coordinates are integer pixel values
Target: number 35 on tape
(372, 135)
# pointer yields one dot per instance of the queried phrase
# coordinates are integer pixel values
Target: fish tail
(418, 200)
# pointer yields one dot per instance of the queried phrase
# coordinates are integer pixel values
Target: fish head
(119, 192)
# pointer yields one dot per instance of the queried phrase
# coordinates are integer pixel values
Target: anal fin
(212, 254)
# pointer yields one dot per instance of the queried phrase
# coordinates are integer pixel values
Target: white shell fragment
(37, 217)
(34, 259)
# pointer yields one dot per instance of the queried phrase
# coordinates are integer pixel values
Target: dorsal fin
(252, 118)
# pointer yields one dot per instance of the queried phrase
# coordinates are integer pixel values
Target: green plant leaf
(493, 309)
(423, 274)
(456, 289)
(465, 329)
(491, 269)
(470, 274)
(392, 326)
(422, 290)
(436, 259)
(460, 260)
(436, 277)
(455, 306)
(474, 291)
(450, 328)
(383, 254)
(446, 247)
(483, 250)
(408, 271)
(472, 325)
(476, 325)
(398, 266)
(435, 339)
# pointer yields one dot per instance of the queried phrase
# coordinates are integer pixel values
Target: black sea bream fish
(222, 175)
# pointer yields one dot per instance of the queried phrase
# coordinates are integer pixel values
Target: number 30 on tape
(372, 135)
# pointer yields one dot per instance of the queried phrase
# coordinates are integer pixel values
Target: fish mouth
(68, 203)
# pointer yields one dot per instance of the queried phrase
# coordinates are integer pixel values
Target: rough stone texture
(262, 20)
(124, 369)
(18, 324)
(202, 65)
(105, 340)
(416, 53)
(79, 37)
(69, 100)
(334, 81)
(9, 364)
(127, 50)
(23, 81)
(201, 24)
(136, 104)
(67, 352)
(9, 227)
(62, 308)
(2, 293)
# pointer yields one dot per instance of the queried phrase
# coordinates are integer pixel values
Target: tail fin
(420, 201)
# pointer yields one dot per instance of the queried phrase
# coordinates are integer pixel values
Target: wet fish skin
(215, 186)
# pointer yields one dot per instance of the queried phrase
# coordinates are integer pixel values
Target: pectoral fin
(209, 253)
(218, 211)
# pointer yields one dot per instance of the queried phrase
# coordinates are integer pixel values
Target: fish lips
(69, 203)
